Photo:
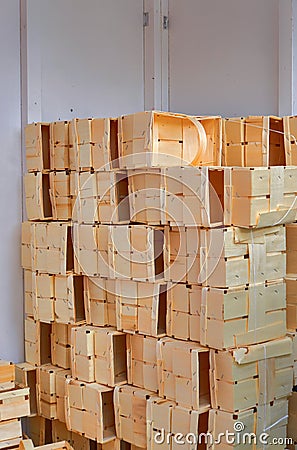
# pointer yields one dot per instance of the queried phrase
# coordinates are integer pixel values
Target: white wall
(81, 55)
(85, 56)
(223, 56)
(11, 281)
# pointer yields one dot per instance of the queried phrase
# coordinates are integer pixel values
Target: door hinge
(165, 22)
(145, 19)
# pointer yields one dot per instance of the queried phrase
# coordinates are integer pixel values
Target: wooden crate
(47, 247)
(147, 195)
(14, 403)
(61, 345)
(28, 445)
(101, 197)
(234, 257)
(176, 195)
(25, 375)
(100, 301)
(184, 373)
(154, 139)
(291, 279)
(141, 307)
(58, 298)
(188, 254)
(142, 361)
(43, 296)
(271, 419)
(119, 251)
(69, 299)
(293, 336)
(60, 391)
(187, 200)
(99, 355)
(60, 433)
(183, 314)
(47, 391)
(91, 250)
(94, 144)
(242, 316)
(130, 406)
(291, 250)
(136, 252)
(10, 433)
(166, 421)
(250, 197)
(90, 410)
(28, 293)
(37, 142)
(62, 194)
(7, 375)
(37, 342)
(254, 203)
(291, 298)
(214, 196)
(222, 318)
(37, 195)
(290, 134)
(247, 377)
(85, 197)
(77, 441)
(253, 141)
(292, 431)
(182, 254)
(110, 357)
(59, 145)
(233, 153)
(38, 429)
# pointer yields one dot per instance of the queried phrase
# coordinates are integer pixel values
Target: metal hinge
(165, 22)
(145, 19)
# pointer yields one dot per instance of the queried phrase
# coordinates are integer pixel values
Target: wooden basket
(59, 145)
(243, 315)
(7, 375)
(168, 420)
(90, 410)
(25, 374)
(99, 355)
(142, 361)
(100, 301)
(253, 141)
(10, 433)
(141, 307)
(37, 141)
(28, 445)
(250, 376)
(14, 403)
(130, 414)
(158, 139)
(184, 373)
(94, 144)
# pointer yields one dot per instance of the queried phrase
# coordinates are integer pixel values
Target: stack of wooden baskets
(160, 263)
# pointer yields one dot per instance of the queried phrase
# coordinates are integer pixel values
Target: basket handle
(202, 138)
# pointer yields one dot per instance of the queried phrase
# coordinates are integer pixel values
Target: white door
(223, 56)
(85, 58)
